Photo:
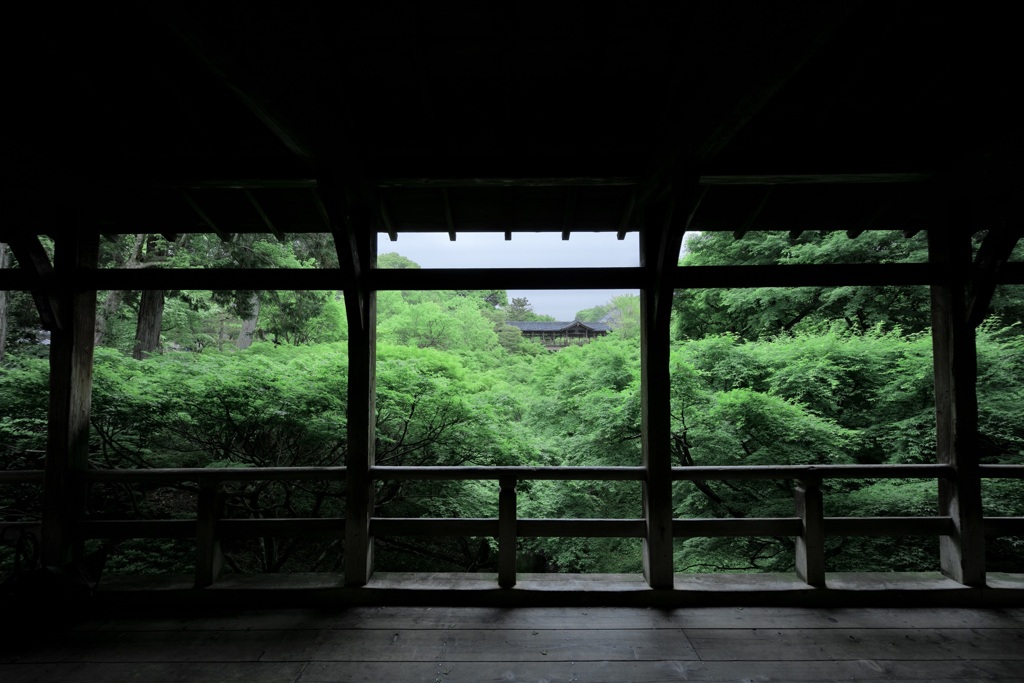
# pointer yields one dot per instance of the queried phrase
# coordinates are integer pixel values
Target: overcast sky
(526, 250)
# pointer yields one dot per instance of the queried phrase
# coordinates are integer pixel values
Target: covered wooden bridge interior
(371, 120)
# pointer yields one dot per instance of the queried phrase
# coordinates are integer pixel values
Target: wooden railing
(809, 526)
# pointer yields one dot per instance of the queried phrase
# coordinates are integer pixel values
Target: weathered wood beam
(38, 277)
(223, 235)
(333, 279)
(256, 94)
(772, 179)
(385, 217)
(70, 398)
(751, 94)
(355, 240)
(569, 181)
(626, 222)
(991, 258)
(962, 554)
(661, 238)
(263, 216)
(448, 218)
(569, 214)
(507, 521)
(810, 543)
(755, 212)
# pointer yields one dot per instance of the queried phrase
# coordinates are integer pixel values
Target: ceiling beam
(568, 181)
(263, 101)
(815, 178)
(755, 87)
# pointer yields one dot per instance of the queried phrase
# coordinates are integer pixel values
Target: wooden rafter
(627, 217)
(448, 217)
(36, 265)
(263, 216)
(569, 214)
(770, 77)
(992, 256)
(223, 235)
(385, 217)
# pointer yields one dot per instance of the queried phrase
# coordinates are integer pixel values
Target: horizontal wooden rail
(288, 527)
(434, 526)
(809, 526)
(763, 472)
(173, 475)
(519, 473)
(747, 526)
(1003, 526)
(581, 528)
(21, 476)
(334, 279)
(136, 528)
(889, 526)
(1002, 471)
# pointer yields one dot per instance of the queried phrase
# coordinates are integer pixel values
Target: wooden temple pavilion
(373, 120)
(557, 335)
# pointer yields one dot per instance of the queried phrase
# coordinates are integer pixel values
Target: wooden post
(810, 545)
(507, 516)
(356, 243)
(962, 555)
(209, 557)
(660, 243)
(71, 353)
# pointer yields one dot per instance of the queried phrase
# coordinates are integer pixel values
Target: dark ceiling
(525, 116)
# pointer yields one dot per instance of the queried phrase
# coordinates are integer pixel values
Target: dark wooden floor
(462, 644)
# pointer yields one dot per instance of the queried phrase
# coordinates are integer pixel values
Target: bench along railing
(809, 526)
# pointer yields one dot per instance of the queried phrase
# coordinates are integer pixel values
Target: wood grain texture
(529, 644)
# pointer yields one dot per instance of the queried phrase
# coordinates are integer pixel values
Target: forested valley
(759, 376)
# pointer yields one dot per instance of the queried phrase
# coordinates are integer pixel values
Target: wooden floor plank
(827, 644)
(154, 672)
(658, 671)
(554, 644)
(575, 645)
(572, 618)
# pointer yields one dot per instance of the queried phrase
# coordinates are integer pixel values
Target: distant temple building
(556, 335)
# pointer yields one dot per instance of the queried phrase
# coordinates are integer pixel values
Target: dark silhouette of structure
(370, 119)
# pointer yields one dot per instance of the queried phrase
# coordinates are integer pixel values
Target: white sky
(526, 250)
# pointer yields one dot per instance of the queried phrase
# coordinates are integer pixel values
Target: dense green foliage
(759, 376)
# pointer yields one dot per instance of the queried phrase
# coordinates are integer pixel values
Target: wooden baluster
(209, 557)
(507, 516)
(810, 545)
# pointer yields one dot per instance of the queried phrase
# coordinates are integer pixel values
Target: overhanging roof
(509, 117)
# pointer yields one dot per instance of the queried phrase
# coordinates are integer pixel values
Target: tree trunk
(151, 314)
(5, 300)
(249, 324)
(113, 301)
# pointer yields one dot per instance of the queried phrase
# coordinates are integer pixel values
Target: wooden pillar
(356, 242)
(810, 544)
(962, 554)
(507, 520)
(661, 239)
(209, 556)
(72, 333)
